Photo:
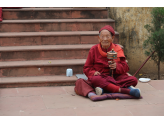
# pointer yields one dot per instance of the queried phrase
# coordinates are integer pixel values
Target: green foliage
(155, 41)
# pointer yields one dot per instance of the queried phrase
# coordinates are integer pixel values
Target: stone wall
(129, 23)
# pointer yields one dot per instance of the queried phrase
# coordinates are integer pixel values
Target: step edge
(43, 84)
(7, 80)
(45, 48)
(10, 64)
(66, 33)
(58, 21)
(55, 9)
(45, 34)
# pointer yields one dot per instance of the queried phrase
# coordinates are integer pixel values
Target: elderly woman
(97, 68)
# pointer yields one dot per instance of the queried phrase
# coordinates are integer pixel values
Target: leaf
(155, 39)
(147, 53)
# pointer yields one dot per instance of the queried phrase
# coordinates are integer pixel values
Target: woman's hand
(112, 64)
(97, 73)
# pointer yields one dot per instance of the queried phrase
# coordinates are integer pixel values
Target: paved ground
(62, 101)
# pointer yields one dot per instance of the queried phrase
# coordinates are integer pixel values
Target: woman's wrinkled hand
(97, 73)
(112, 64)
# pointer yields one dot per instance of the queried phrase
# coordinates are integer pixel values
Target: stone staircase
(37, 45)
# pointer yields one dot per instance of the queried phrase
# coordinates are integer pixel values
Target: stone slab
(147, 110)
(145, 87)
(42, 63)
(157, 84)
(53, 25)
(35, 81)
(21, 103)
(54, 13)
(51, 38)
(62, 101)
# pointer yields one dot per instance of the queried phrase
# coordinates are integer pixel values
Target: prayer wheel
(111, 55)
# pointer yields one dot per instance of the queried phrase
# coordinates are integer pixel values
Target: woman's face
(105, 39)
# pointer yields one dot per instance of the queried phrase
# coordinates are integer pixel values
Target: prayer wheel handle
(111, 55)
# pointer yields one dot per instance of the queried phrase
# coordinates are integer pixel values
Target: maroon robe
(96, 62)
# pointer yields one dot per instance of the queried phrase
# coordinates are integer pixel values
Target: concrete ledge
(55, 9)
(51, 25)
(58, 21)
(50, 38)
(60, 80)
(42, 63)
(46, 47)
(63, 33)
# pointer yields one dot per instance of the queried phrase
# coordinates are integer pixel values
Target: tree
(155, 39)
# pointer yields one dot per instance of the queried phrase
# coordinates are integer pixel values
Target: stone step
(37, 81)
(44, 52)
(48, 25)
(40, 67)
(50, 38)
(55, 13)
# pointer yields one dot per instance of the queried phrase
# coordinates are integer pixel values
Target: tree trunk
(159, 68)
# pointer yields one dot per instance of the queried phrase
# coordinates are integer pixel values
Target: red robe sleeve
(88, 68)
(121, 67)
